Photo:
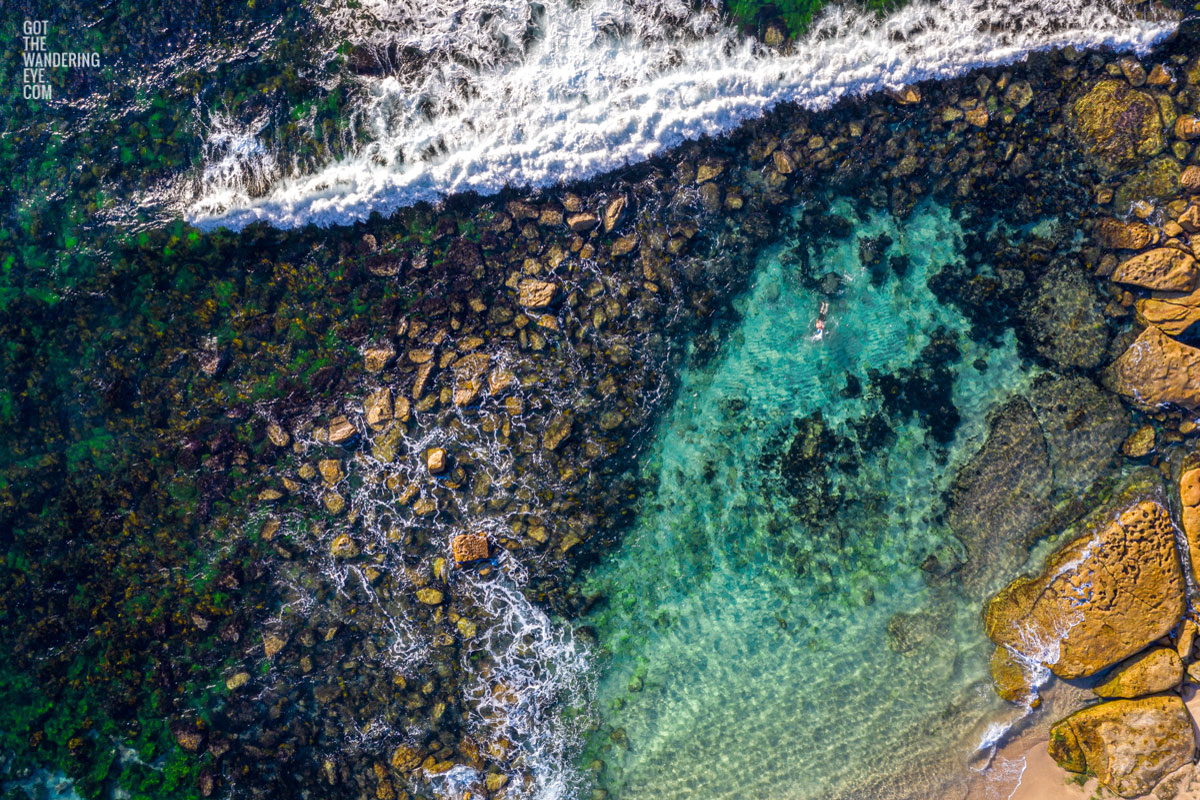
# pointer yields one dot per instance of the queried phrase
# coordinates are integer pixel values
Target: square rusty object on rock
(469, 547)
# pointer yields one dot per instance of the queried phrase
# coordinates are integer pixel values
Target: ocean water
(782, 621)
(751, 648)
(464, 96)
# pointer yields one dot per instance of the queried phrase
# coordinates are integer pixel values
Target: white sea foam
(533, 688)
(513, 92)
(1006, 776)
(235, 159)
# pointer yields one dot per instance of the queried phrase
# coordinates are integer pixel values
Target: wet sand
(1024, 770)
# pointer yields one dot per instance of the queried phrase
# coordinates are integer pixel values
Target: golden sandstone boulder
(1170, 312)
(1189, 505)
(1156, 370)
(469, 547)
(1011, 679)
(1130, 745)
(1158, 669)
(1164, 269)
(536, 294)
(1117, 125)
(1100, 599)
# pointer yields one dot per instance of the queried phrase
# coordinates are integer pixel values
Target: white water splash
(1006, 776)
(532, 689)
(1034, 652)
(479, 96)
(235, 159)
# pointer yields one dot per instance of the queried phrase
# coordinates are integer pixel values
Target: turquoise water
(770, 638)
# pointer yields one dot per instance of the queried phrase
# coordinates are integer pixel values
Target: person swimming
(820, 334)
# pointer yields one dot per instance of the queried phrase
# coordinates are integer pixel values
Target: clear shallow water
(774, 656)
(466, 96)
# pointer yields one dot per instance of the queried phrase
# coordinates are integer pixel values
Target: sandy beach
(1024, 770)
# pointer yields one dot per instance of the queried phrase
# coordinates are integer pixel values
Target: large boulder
(1158, 180)
(1054, 444)
(1117, 125)
(1170, 312)
(1166, 269)
(1156, 370)
(1001, 494)
(1101, 598)
(1083, 426)
(1189, 506)
(1158, 669)
(1130, 745)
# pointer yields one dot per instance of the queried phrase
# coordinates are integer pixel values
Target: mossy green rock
(1130, 745)
(1156, 670)
(386, 446)
(1117, 125)
(1159, 180)
(429, 596)
(1064, 747)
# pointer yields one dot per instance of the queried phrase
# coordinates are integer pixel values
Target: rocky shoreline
(1114, 604)
(381, 429)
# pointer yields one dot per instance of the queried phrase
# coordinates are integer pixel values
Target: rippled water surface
(784, 619)
(764, 649)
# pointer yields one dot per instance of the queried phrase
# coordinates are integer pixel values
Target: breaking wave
(462, 96)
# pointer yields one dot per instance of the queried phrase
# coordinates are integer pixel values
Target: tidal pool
(783, 621)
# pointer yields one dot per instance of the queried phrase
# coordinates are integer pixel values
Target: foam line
(524, 98)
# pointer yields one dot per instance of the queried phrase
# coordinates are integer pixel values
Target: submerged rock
(1101, 598)
(343, 547)
(1012, 679)
(1001, 493)
(1065, 320)
(1156, 181)
(1130, 745)
(1140, 443)
(1156, 370)
(1117, 125)
(278, 436)
(1083, 425)
(331, 470)
(1120, 235)
(429, 596)
(909, 633)
(378, 356)
(1155, 670)
(378, 407)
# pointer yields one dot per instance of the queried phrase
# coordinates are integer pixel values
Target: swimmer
(821, 321)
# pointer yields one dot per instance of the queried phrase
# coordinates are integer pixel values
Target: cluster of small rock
(484, 431)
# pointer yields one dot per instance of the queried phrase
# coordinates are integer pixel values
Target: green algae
(796, 15)
(94, 478)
